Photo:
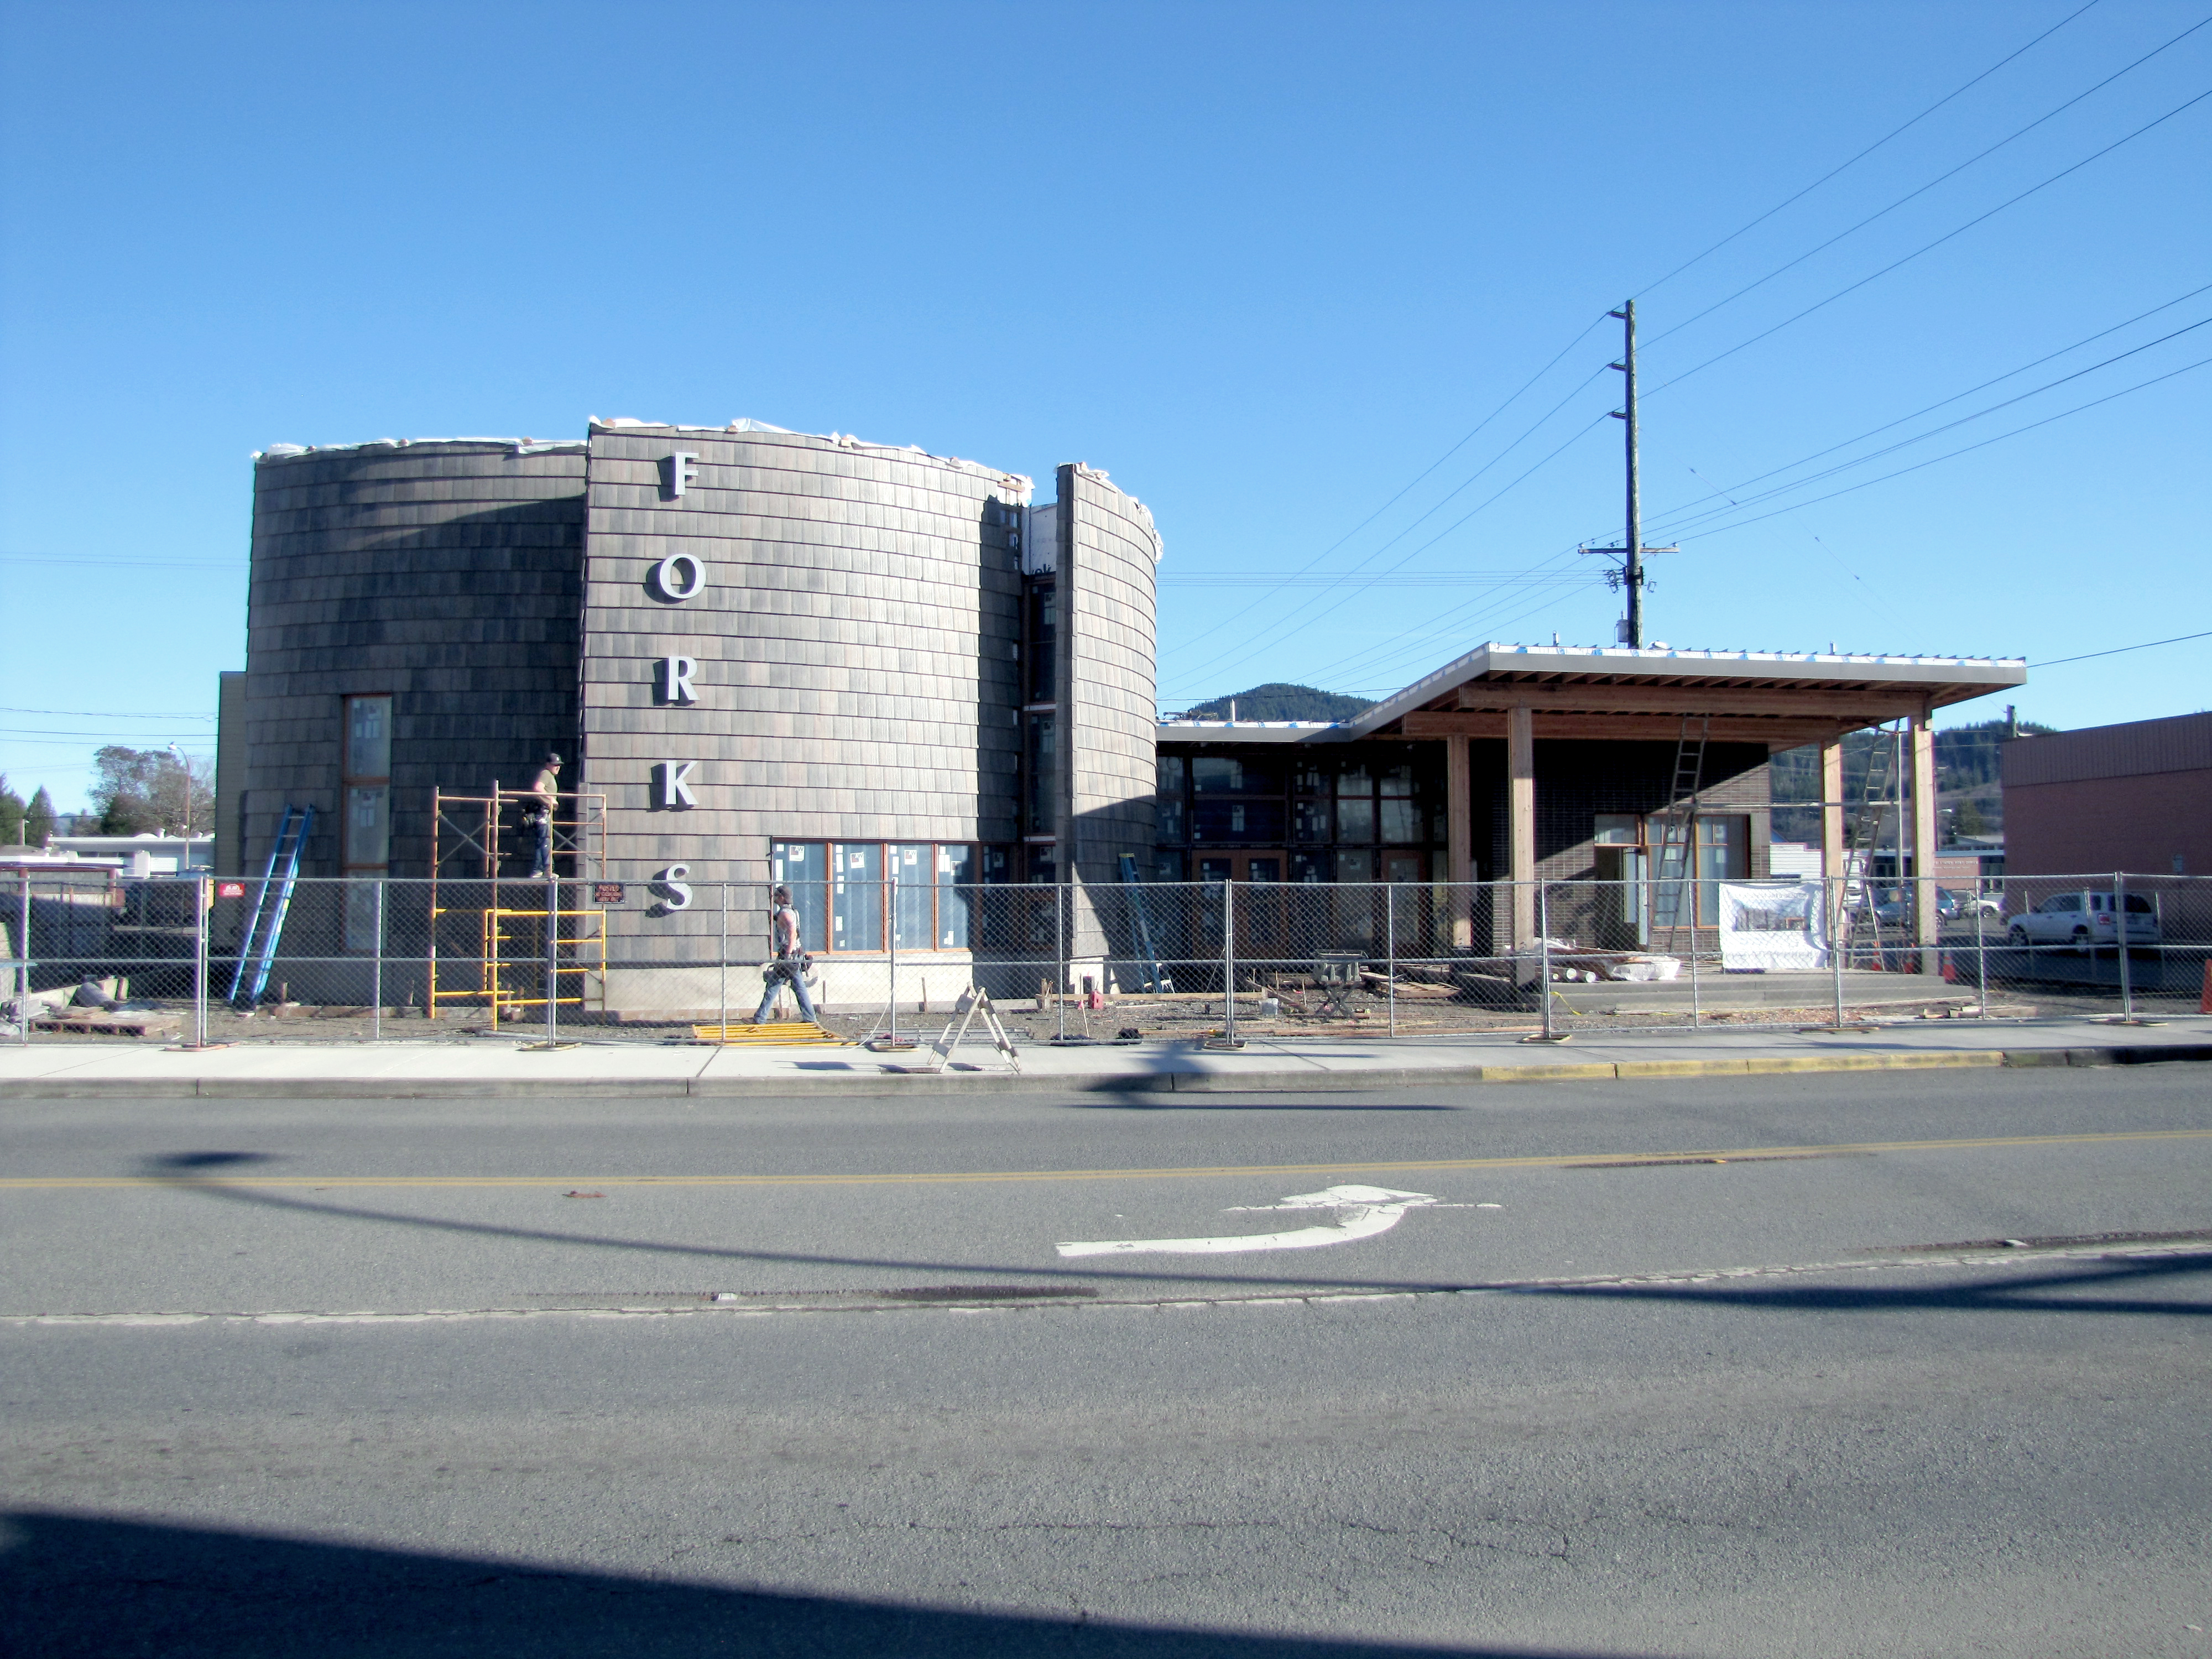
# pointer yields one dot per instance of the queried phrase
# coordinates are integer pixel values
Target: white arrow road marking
(1361, 1212)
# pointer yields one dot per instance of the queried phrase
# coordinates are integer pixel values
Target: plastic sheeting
(1773, 925)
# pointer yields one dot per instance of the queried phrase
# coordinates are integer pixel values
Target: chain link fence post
(552, 958)
(1059, 961)
(1228, 961)
(376, 971)
(1544, 954)
(1390, 947)
(892, 917)
(1831, 897)
(202, 903)
(2120, 928)
(1981, 955)
(722, 963)
(22, 955)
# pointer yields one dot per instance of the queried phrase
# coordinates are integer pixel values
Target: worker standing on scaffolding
(544, 789)
(790, 962)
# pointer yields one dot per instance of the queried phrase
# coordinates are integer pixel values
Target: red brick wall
(2135, 825)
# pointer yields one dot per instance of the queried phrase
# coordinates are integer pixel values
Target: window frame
(980, 862)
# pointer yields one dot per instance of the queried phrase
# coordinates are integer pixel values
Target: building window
(365, 804)
(1040, 775)
(841, 891)
(1043, 663)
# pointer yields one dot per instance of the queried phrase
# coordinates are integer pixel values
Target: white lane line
(2026, 1258)
(1361, 1212)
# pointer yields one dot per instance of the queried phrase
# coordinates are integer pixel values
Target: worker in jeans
(544, 791)
(789, 964)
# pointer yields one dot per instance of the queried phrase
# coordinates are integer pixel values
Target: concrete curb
(1276, 1081)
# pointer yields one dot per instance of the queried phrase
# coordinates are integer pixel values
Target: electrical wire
(1968, 449)
(1715, 490)
(1894, 132)
(2121, 650)
(107, 714)
(1676, 522)
(1909, 195)
(1480, 425)
(1243, 653)
(1929, 247)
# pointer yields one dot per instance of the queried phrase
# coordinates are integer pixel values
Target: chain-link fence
(94, 956)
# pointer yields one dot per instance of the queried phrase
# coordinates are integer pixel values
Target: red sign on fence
(230, 890)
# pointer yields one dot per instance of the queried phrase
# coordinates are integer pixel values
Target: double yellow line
(1203, 1172)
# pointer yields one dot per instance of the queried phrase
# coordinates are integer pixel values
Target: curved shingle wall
(1108, 563)
(854, 635)
(447, 575)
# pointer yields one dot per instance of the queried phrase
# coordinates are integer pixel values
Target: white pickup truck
(2086, 918)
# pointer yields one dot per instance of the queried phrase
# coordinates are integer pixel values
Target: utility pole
(1631, 574)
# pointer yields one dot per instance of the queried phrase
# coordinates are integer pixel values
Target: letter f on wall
(678, 472)
(675, 782)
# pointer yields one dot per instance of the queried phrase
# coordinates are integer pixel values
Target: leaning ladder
(1150, 962)
(1857, 900)
(1678, 826)
(257, 948)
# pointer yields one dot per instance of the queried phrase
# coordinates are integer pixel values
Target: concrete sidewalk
(500, 1067)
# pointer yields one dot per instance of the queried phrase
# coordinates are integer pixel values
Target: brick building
(2135, 797)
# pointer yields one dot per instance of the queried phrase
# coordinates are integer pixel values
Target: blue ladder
(1150, 961)
(257, 948)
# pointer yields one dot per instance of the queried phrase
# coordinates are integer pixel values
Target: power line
(1939, 178)
(1931, 409)
(1894, 133)
(1244, 654)
(107, 714)
(1686, 519)
(1479, 427)
(234, 567)
(2121, 650)
(1967, 450)
(1931, 246)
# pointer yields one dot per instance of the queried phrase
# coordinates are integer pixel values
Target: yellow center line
(1225, 1171)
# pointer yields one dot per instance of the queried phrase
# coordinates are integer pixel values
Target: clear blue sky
(1264, 262)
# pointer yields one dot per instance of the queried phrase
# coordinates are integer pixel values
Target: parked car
(2084, 919)
(1895, 909)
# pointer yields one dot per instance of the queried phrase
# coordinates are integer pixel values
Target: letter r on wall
(676, 674)
(676, 783)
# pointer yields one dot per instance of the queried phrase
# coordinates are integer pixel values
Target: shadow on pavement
(2006, 1293)
(87, 1585)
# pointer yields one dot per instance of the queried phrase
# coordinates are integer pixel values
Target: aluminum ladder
(257, 946)
(1674, 858)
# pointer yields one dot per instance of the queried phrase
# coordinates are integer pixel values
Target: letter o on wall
(680, 576)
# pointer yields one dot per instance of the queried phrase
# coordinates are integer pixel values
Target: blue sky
(1267, 264)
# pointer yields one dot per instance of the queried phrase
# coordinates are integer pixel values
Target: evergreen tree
(38, 818)
(11, 815)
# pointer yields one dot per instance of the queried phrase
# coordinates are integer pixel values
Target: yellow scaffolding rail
(486, 834)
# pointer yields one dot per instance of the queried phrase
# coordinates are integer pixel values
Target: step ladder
(1856, 904)
(257, 946)
(1674, 859)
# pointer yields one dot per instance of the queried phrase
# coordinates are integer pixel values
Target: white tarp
(1778, 925)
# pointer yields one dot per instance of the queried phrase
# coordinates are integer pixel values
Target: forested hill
(1279, 701)
(1966, 765)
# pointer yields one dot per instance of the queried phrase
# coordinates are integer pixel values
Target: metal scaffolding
(526, 949)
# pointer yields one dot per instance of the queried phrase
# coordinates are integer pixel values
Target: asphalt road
(366, 1378)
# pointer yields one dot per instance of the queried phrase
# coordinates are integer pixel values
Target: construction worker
(790, 962)
(545, 790)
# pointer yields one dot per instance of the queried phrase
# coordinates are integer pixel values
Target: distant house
(2135, 797)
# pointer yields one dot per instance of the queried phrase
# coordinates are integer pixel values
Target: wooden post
(1520, 812)
(1927, 924)
(1459, 840)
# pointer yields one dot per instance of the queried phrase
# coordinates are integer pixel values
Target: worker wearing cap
(789, 964)
(544, 789)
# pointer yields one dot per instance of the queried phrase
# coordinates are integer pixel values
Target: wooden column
(1521, 816)
(1459, 839)
(1832, 830)
(1927, 925)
